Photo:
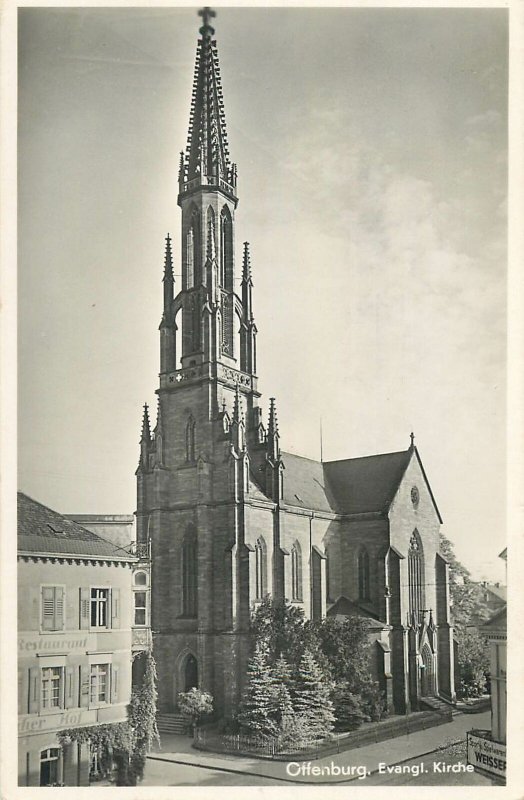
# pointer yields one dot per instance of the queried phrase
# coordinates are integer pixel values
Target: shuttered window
(52, 608)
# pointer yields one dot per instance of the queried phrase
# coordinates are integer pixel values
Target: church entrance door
(190, 673)
(427, 673)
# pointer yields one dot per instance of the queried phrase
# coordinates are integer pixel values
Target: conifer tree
(283, 688)
(312, 704)
(257, 708)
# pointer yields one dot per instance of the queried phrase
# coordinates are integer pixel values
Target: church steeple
(208, 331)
(207, 158)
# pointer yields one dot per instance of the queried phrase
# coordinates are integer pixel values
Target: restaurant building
(74, 642)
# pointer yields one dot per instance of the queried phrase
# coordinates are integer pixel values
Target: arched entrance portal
(427, 672)
(190, 673)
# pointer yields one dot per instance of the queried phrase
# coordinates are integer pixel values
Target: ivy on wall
(126, 743)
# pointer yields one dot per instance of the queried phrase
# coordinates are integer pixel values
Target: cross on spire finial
(206, 13)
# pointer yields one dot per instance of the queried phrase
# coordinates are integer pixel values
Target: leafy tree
(467, 597)
(473, 662)
(312, 699)
(468, 607)
(257, 707)
(195, 704)
(282, 627)
(373, 700)
(345, 646)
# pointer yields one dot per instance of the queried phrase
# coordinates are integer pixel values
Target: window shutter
(59, 608)
(84, 608)
(34, 690)
(84, 685)
(48, 608)
(115, 608)
(114, 684)
(70, 687)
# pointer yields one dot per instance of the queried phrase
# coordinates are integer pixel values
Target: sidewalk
(178, 749)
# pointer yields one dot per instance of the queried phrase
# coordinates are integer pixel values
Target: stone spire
(207, 155)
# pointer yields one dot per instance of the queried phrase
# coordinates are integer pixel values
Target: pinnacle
(181, 167)
(158, 425)
(146, 428)
(236, 405)
(273, 421)
(246, 264)
(168, 260)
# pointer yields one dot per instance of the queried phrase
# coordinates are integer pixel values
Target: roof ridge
(304, 458)
(373, 455)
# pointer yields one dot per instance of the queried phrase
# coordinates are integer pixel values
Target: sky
(372, 177)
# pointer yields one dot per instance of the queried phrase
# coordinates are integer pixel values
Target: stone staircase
(437, 704)
(176, 724)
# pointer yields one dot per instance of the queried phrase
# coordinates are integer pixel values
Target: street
(423, 758)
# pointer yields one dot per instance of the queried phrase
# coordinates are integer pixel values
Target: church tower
(194, 467)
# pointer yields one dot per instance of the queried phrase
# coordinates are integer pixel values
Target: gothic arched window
(189, 574)
(190, 248)
(416, 578)
(226, 250)
(210, 233)
(190, 439)
(260, 569)
(193, 249)
(363, 575)
(296, 572)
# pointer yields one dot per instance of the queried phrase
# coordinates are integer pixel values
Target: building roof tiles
(349, 486)
(42, 530)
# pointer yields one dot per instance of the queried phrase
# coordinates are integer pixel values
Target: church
(232, 517)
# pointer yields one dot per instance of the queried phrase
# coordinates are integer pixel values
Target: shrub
(195, 704)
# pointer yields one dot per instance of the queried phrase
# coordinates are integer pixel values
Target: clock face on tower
(415, 497)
